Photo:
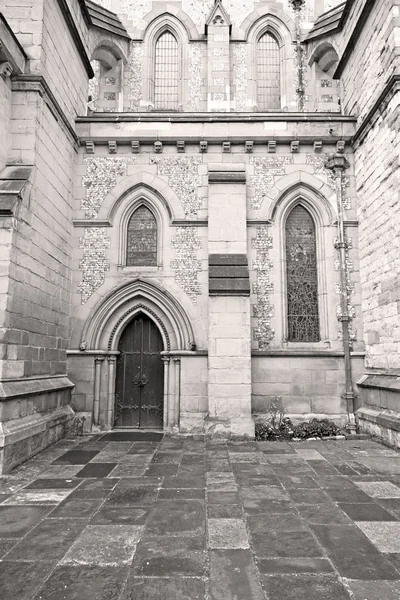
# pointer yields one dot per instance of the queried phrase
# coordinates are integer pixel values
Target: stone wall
(305, 385)
(5, 126)
(377, 183)
(35, 325)
(376, 168)
(370, 63)
(112, 180)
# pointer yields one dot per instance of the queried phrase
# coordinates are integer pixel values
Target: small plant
(274, 425)
(315, 428)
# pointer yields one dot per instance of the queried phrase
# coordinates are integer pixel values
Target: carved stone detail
(186, 264)
(101, 177)
(94, 263)
(263, 310)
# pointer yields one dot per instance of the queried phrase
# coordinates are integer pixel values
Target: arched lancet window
(302, 277)
(166, 72)
(141, 243)
(268, 73)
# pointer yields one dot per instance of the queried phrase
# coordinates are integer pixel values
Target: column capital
(98, 359)
(337, 162)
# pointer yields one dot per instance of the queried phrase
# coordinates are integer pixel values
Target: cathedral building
(199, 216)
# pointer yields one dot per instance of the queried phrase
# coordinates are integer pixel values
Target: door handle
(140, 380)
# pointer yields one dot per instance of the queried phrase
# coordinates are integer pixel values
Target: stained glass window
(141, 246)
(302, 279)
(268, 73)
(166, 73)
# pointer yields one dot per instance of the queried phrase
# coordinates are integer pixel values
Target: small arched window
(166, 72)
(268, 73)
(141, 243)
(302, 277)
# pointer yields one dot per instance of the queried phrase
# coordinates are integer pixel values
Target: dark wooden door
(139, 389)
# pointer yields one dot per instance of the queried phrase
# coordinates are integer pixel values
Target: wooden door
(139, 390)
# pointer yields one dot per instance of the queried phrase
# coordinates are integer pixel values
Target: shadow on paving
(133, 515)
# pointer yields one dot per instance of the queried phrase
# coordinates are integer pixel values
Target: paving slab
(104, 545)
(177, 518)
(133, 515)
(162, 556)
(16, 521)
(120, 515)
(305, 587)
(286, 544)
(227, 533)
(22, 579)
(367, 512)
(37, 497)
(374, 590)
(379, 489)
(233, 576)
(83, 583)
(271, 566)
(385, 536)
(152, 588)
(48, 541)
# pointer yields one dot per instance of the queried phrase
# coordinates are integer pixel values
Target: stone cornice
(391, 88)
(38, 84)
(72, 28)
(207, 117)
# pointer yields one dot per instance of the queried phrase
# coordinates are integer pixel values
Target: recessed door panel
(140, 376)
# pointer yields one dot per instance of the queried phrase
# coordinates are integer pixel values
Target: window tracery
(166, 72)
(268, 72)
(302, 277)
(141, 243)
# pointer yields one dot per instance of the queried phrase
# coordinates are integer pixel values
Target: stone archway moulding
(258, 17)
(140, 183)
(110, 316)
(159, 15)
(130, 314)
(102, 333)
(309, 187)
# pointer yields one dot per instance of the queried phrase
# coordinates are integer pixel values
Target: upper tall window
(166, 72)
(302, 278)
(141, 244)
(268, 73)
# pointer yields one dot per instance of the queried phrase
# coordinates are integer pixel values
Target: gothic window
(166, 72)
(141, 244)
(302, 280)
(268, 73)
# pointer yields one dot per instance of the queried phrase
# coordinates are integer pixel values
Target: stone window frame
(155, 30)
(143, 204)
(326, 300)
(272, 24)
(286, 283)
(258, 59)
(141, 199)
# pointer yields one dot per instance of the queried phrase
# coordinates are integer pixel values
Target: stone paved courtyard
(118, 517)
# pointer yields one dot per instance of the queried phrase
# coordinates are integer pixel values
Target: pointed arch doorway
(139, 385)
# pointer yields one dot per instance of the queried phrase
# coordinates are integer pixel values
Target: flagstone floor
(120, 517)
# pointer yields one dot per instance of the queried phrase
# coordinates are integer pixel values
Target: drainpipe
(297, 5)
(337, 163)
